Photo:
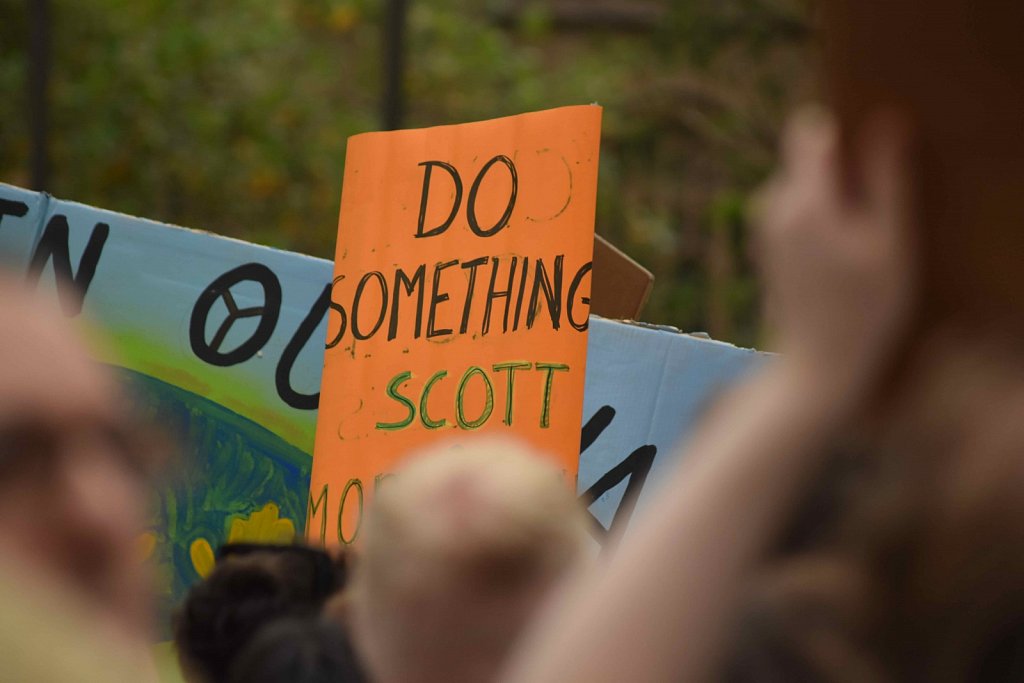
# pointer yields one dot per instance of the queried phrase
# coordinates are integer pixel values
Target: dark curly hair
(243, 593)
(298, 651)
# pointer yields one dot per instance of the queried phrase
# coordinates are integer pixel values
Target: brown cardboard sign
(620, 286)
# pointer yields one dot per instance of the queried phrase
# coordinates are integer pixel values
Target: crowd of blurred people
(463, 547)
(811, 530)
(851, 512)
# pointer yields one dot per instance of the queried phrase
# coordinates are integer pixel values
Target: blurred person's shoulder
(48, 634)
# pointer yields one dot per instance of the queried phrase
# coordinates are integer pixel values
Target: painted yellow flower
(263, 526)
(202, 556)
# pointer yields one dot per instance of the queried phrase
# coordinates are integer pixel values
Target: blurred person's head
(954, 69)
(912, 568)
(250, 587)
(461, 549)
(310, 650)
(72, 491)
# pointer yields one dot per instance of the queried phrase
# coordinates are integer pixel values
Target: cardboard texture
(241, 393)
(465, 308)
(646, 386)
(621, 285)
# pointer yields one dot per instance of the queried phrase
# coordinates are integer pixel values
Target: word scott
(394, 391)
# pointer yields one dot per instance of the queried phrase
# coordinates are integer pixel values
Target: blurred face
(74, 506)
(72, 488)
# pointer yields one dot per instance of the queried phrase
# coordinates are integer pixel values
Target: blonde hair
(461, 547)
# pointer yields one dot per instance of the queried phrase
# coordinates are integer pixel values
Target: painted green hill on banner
(236, 481)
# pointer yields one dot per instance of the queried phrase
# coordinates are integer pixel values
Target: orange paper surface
(460, 299)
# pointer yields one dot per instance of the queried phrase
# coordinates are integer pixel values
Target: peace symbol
(220, 289)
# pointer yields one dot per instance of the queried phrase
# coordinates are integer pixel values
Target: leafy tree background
(232, 116)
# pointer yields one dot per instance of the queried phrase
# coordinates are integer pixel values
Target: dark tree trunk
(393, 101)
(38, 92)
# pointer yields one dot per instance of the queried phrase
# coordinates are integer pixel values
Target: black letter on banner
(553, 295)
(595, 427)
(402, 281)
(71, 288)
(358, 485)
(313, 508)
(221, 289)
(282, 377)
(340, 310)
(356, 333)
(428, 168)
(12, 208)
(575, 285)
(471, 266)
(474, 224)
(438, 298)
(636, 466)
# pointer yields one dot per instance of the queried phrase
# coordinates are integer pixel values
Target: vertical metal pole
(393, 35)
(39, 57)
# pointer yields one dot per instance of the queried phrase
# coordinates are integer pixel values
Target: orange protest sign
(460, 299)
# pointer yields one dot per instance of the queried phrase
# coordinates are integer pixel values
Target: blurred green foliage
(232, 116)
